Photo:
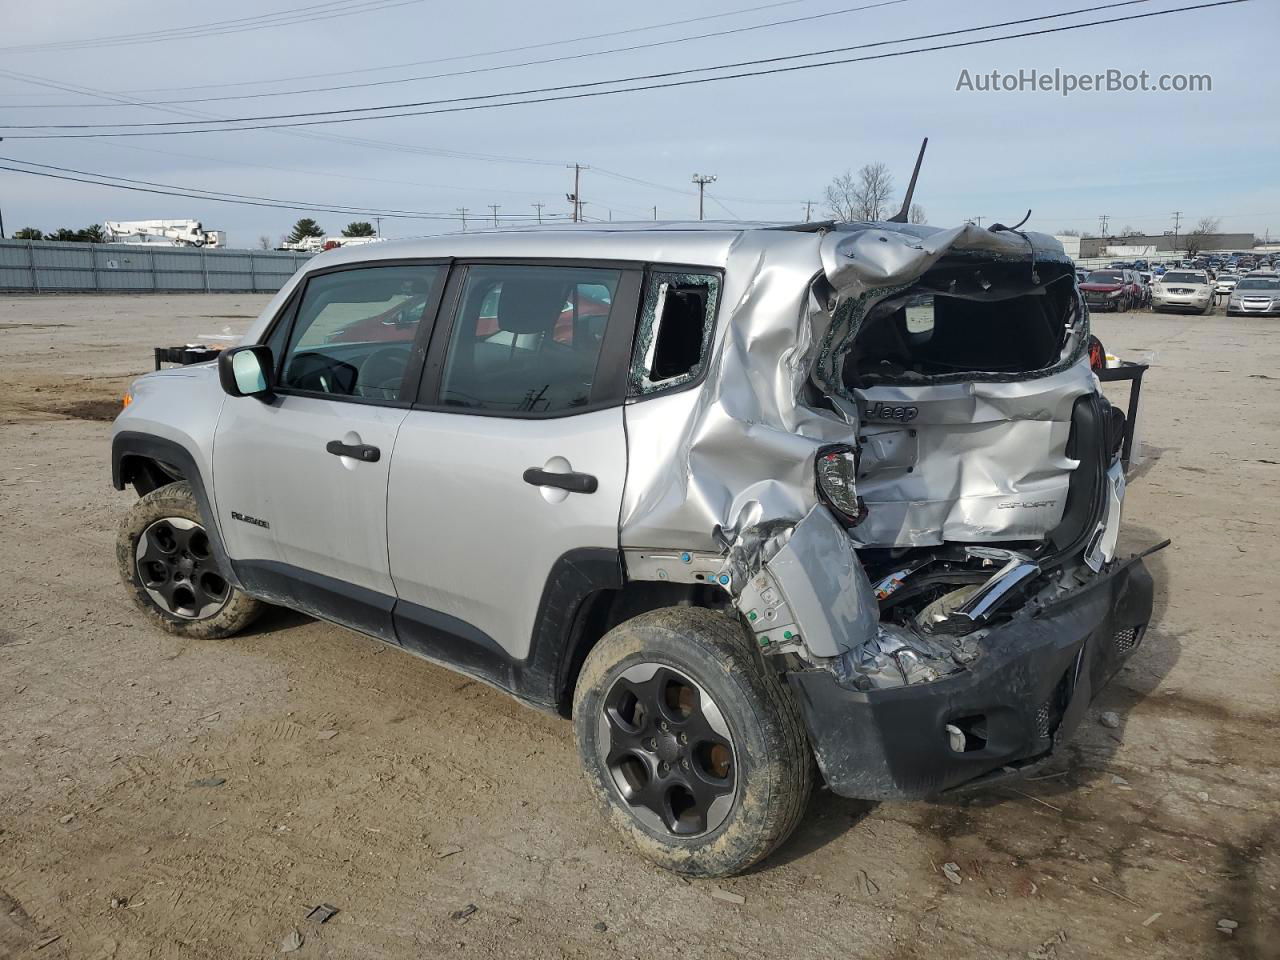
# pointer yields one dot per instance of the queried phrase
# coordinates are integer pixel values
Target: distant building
(1071, 244)
(1162, 243)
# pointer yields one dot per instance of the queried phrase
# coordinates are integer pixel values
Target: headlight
(1114, 294)
(1233, 302)
(837, 471)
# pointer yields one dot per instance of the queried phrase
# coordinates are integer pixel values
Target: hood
(1101, 287)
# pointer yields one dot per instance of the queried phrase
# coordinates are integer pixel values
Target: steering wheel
(383, 372)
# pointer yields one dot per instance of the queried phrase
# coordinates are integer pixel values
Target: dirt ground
(162, 798)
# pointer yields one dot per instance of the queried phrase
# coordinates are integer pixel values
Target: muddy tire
(170, 572)
(693, 749)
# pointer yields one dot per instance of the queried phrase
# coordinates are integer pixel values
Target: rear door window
(526, 340)
(674, 333)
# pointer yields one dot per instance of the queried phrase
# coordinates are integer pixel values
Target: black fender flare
(145, 446)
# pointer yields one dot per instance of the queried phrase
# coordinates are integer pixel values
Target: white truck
(174, 233)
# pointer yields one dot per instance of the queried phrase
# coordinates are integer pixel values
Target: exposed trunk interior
(990, 319)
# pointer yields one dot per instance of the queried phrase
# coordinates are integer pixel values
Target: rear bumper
(1031, 687)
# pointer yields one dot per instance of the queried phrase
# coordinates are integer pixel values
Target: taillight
(1097, 355)
(837, 471)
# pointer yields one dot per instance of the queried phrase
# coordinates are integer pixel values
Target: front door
(301, 481)
(516, 456)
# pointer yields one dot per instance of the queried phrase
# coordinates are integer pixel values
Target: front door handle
(573, 482)
(365, 452)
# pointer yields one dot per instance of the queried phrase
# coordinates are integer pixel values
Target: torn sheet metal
(812, 590)
(739, 448)
(977, 461)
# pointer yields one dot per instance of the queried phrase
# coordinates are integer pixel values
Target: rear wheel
(692, 748)
(167, 564)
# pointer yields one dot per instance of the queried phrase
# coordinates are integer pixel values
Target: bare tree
(1196, 239)
(839, 196)
(1128, 231)
(861, 197)
(917, 214)
(264, 242)
(1068, 233)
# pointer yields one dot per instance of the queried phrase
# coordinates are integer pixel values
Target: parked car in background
(1183, 290)
(1225, 283)
(1118, 290)
(1255, 294)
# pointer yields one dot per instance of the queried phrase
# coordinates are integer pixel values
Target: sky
(773, 142)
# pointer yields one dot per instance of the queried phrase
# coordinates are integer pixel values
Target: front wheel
(169, 568)
(693, 749)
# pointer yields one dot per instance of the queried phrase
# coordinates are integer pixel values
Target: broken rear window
(674, 331)
(990, 322)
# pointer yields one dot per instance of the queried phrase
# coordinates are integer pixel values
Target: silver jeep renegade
(735, 498)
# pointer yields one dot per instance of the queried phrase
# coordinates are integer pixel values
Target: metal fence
(44, 266)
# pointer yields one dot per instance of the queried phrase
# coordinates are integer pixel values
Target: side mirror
(247, 371)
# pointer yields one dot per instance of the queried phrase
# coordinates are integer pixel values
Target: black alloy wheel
(177, 570)
(668, 749)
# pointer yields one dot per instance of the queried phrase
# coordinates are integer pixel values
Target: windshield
(1259, 283)
(1173, 277)
(1105, 276)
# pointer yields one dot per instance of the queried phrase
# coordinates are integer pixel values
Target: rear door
(301, 481)
(514, 457)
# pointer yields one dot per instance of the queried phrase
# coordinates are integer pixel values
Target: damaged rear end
(980, 551)
(947, 599)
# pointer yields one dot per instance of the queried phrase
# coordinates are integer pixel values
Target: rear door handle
(365, 452)
(573, 482)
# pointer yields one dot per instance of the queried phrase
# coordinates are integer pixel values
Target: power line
(322, 11)
(496, 67)
(221, 196)
(307, 134)
(329, 74)
(331, 119)
(197, 193)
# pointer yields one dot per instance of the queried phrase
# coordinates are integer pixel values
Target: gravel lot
(402, 794)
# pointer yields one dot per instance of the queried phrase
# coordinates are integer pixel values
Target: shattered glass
(652, 316)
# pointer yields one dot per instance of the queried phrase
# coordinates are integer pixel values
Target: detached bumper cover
(1024, 696)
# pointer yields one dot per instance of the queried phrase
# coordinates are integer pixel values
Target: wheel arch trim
(131, 444)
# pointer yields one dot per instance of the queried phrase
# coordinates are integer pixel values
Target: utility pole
(1102, 224)
(576, 197)
(463, 211)
(538, 207)
(702, 180)
(494, 208)
(808, 210)
(655, 211)
(378, 226)
(976, 221)
(1177, 222)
